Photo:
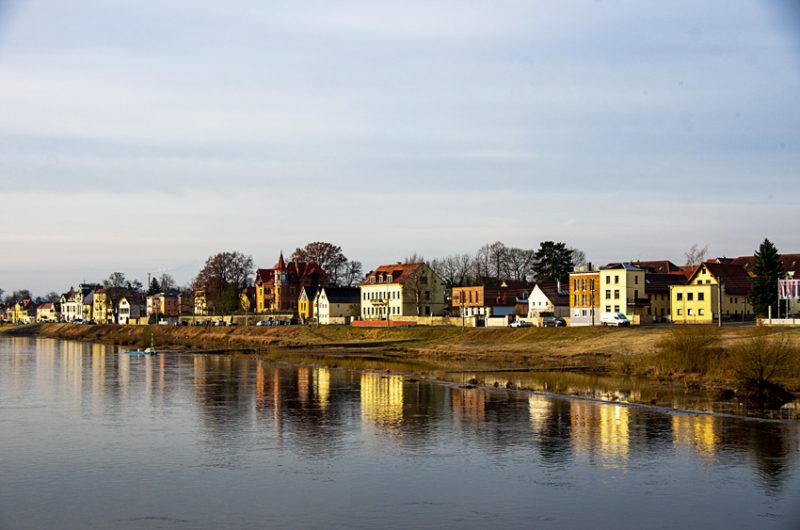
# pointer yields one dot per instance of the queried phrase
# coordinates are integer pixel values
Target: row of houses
(644, 291)
(93, 303)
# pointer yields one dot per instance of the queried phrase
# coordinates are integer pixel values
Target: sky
(144, 136)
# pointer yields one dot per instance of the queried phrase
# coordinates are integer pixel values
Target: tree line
(225, 275)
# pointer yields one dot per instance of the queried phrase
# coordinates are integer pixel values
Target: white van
(614, 319)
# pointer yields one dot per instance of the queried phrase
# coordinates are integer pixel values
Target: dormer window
(388, 278)
(372, 279)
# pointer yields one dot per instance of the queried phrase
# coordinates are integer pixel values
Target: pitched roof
(400, 273)
(265, 275)
(342, 295)
(655, 282)
(295, 270)
(791, 262)
(557, 297)
(733, 276)
(664, 265)
(134, 299)
(625, 266)
(310, 290)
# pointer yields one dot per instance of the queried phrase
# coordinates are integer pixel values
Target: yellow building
(622, 290)
(47, 312)
(305, 303)
(714, 287)
(23, 312)
(410, 289)
(102, 312)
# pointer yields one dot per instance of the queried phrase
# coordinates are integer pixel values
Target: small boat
(147, 351)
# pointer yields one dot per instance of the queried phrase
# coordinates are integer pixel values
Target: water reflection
(234, 407)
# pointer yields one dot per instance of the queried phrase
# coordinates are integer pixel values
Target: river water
(91, 438)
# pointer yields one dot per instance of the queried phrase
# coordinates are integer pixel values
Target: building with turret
(278, 289)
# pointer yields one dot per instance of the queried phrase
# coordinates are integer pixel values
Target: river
(91, 438)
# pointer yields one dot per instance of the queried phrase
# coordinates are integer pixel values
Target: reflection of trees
(774, 447)
(221, 393)
(554, 432)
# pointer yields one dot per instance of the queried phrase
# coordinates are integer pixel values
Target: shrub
(759, 364)
(691, 349)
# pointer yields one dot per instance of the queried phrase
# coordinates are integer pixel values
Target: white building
(337, 305)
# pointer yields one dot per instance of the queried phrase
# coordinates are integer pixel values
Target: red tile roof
(733, 276)
(791, 262)
(400, 272)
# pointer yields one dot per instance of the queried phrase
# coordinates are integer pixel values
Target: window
(680, 311)
(616, 309)
(701, 297)
(636, 280)
(583, 284)
(608, 309)
(575, 284)
(372, 279)
(616, 294)
(635, 294)
(679, 297)
(583, 299)
(388, 278)
(608, 294)
(575, 299)
(701, 312)
(689, 311)
(591, 284)
(689, 297)
(608, 279)
(616, 278)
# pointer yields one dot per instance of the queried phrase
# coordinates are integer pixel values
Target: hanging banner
(788, 289)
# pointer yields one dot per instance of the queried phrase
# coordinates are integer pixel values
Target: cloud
(189, 127)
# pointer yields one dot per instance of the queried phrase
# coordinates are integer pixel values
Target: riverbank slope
(635, 351)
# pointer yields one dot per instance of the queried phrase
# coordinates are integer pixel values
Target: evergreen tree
(768, 269)
(154, 288)
(553, 261)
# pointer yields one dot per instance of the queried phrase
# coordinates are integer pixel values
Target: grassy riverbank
(664, 353)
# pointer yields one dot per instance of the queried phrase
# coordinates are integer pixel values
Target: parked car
(554, 322)
(264, 323)
(520, 324)
(614, 319)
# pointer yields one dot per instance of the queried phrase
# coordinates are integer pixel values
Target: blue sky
(143, 137)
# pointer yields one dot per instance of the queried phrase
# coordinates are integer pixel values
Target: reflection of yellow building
(322, 386)
(468, 403)
(539, 410)
(698, 433)
(614, 432)
(303, 384)
(601, 427)
(382, 398)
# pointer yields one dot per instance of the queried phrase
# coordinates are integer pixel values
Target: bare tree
(353, 274)
(414, 258)
(167, 282)
(490, 260)
(696, 255)
(578, 257)
(328, 256)
(223, 277)
(518, 263)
